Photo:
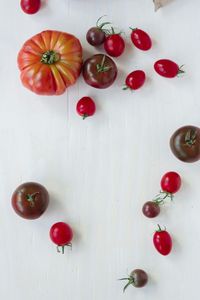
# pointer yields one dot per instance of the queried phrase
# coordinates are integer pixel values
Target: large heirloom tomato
(50, 62)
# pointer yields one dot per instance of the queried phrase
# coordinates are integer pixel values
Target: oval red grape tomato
(162, 241)
(141, 39)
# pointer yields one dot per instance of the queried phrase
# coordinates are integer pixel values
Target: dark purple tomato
(138, 278)
(99, 71)
(95, 36)
(151, 209)
(185, 143)
(30, 200)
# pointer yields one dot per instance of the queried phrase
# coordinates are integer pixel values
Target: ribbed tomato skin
(50, 79)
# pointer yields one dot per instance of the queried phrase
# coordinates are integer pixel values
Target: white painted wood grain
(99, 172)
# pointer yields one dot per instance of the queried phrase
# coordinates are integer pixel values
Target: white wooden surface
(100, 171)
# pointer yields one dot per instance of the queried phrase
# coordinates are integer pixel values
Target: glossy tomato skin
(99, 71)
(166, 68)
(140, 278)
(114, 45)
(50, 62)
(95, 36)
(135, 79)
(151, 209)
(30, 200)
(185, 143)
(141, 39)
(162, 242)
(61, 234)
(171, 182)
(30, 6)
(86, 107)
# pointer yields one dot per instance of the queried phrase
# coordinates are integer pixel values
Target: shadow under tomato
(176, 246)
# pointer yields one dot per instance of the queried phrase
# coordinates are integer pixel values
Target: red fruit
(114, 45)
(167, 68)
(30, 200)
(141, 39)
(61, 234)
(86, 107)
(171, 182)
(30, 6)
(99, 71)
(96, 35)
(135, 80)
(162, 241)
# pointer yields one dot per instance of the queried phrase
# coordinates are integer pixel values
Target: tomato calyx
(130, 281)
(31, 198)
(102, 67)
(63, 247)
(113, 32)
(126, 87)
(85, 116)
(100, 26)
(133, 29)
(160, 229)
(50, 57)
(190, 137)
(180, 71)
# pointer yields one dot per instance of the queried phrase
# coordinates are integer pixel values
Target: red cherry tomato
(141, 39)
(171, 182)
(114, 45)
(61, 234)
(135, 80)
(167, 68)
(162, 241)
(30, 6)
(86, 107)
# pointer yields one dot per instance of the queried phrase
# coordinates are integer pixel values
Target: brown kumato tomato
(30, 200)
(99, 71)
(185, 143)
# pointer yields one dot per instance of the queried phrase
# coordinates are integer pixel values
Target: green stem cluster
(62, 247)
(130, 281)
(159, 199)
(102, 66)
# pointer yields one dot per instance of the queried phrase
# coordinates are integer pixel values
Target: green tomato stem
(50, 57)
